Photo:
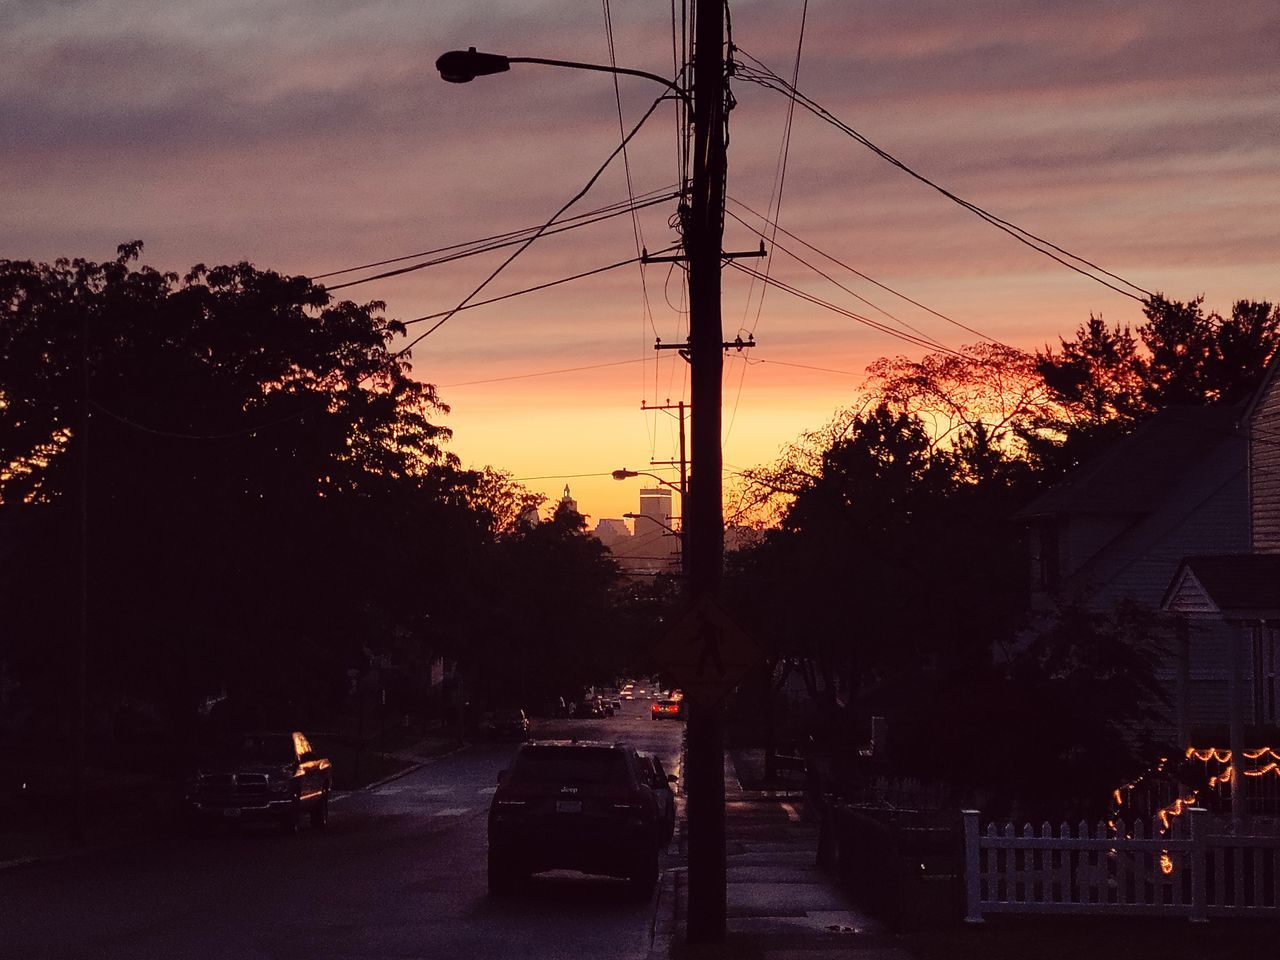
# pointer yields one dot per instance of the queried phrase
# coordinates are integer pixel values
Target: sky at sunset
(309, 135)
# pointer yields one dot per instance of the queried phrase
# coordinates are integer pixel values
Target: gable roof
(1139, 470)
(1268, 378)
(1236, 586)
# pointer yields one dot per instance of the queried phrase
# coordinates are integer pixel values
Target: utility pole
(79, 748)
(683, 464)
(703, 236)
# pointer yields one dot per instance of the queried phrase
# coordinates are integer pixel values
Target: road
(399, 872)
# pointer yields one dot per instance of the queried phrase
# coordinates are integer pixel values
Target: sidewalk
(780, 905)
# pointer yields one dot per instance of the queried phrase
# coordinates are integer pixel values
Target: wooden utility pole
(681, 409)
(703, 235)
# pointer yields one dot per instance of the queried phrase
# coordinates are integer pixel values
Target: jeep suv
(574, 806)
(271, 776)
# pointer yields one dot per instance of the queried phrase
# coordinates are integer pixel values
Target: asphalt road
(399, 872)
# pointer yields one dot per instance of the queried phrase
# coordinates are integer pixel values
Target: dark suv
(574, 806)
(273, 776)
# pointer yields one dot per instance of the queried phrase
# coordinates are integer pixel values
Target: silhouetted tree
(1105, 379)
(267, 491)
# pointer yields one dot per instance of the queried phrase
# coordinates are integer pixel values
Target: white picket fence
(1119, 869)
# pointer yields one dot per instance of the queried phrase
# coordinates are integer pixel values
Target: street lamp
(625, 474)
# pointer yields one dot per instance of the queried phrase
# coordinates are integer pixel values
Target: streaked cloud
(312, 134)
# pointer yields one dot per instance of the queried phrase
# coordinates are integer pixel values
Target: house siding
(1218, 524)
(1264, 470)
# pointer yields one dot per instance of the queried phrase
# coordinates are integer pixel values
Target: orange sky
(307, 138)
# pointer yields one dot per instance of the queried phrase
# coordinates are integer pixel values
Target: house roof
(1235, 586)
(1135, 474)
(1272, 371)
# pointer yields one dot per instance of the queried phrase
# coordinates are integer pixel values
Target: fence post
(1199, 863)
(972, 867)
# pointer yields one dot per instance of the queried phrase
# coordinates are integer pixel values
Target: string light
(1224, 756)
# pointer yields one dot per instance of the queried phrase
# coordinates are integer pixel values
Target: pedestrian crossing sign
(705, 652)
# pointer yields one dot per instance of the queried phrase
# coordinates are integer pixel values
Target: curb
(413, 768)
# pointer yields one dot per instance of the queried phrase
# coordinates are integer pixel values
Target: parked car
(511, 723)
(661, 783)
(589, 708)
(667, 709)
(262, 776)
(575, 806)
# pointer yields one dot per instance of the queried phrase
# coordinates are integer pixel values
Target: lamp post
(703, 230)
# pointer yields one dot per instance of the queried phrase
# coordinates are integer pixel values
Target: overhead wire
(532, 289)
(835, 308)
(540, 373)
(525, 235)
(443, 318)
(555, 216)
(853, 293)
(775, 212)
(646, 311)
(617, 208)
(763, 76)
(858, 273)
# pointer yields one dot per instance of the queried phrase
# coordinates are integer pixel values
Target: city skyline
(312, 140)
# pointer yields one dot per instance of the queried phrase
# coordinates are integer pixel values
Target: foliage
(269, 504)
(889, 561)
(1054, 728)
(1106, 379)
(544, 620)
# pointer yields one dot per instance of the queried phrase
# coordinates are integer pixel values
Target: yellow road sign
(705, 652)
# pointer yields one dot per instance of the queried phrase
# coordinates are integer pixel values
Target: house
(1239, 591)
(1121, 526)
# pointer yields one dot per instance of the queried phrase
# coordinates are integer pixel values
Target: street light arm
(625, 474)
(601, 68)
(671, 531)
(463, 66)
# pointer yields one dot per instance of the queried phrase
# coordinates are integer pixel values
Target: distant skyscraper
(654, 523)
(611, 532)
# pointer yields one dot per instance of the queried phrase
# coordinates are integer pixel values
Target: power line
(542, 373)
(555, 216)
(853, 293)
(858, 273)
(616, 208)
(525, 237)
(775, 209)
(827, 305)
(320, 401)
(533, 289)
(562, 476)
(767, 78)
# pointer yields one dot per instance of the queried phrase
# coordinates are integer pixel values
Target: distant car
(588, 709)
(627, 693)
(262, 776)
(615, 703)
(575, 806)
(667, 709)
(661, 783)
(508, 724)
